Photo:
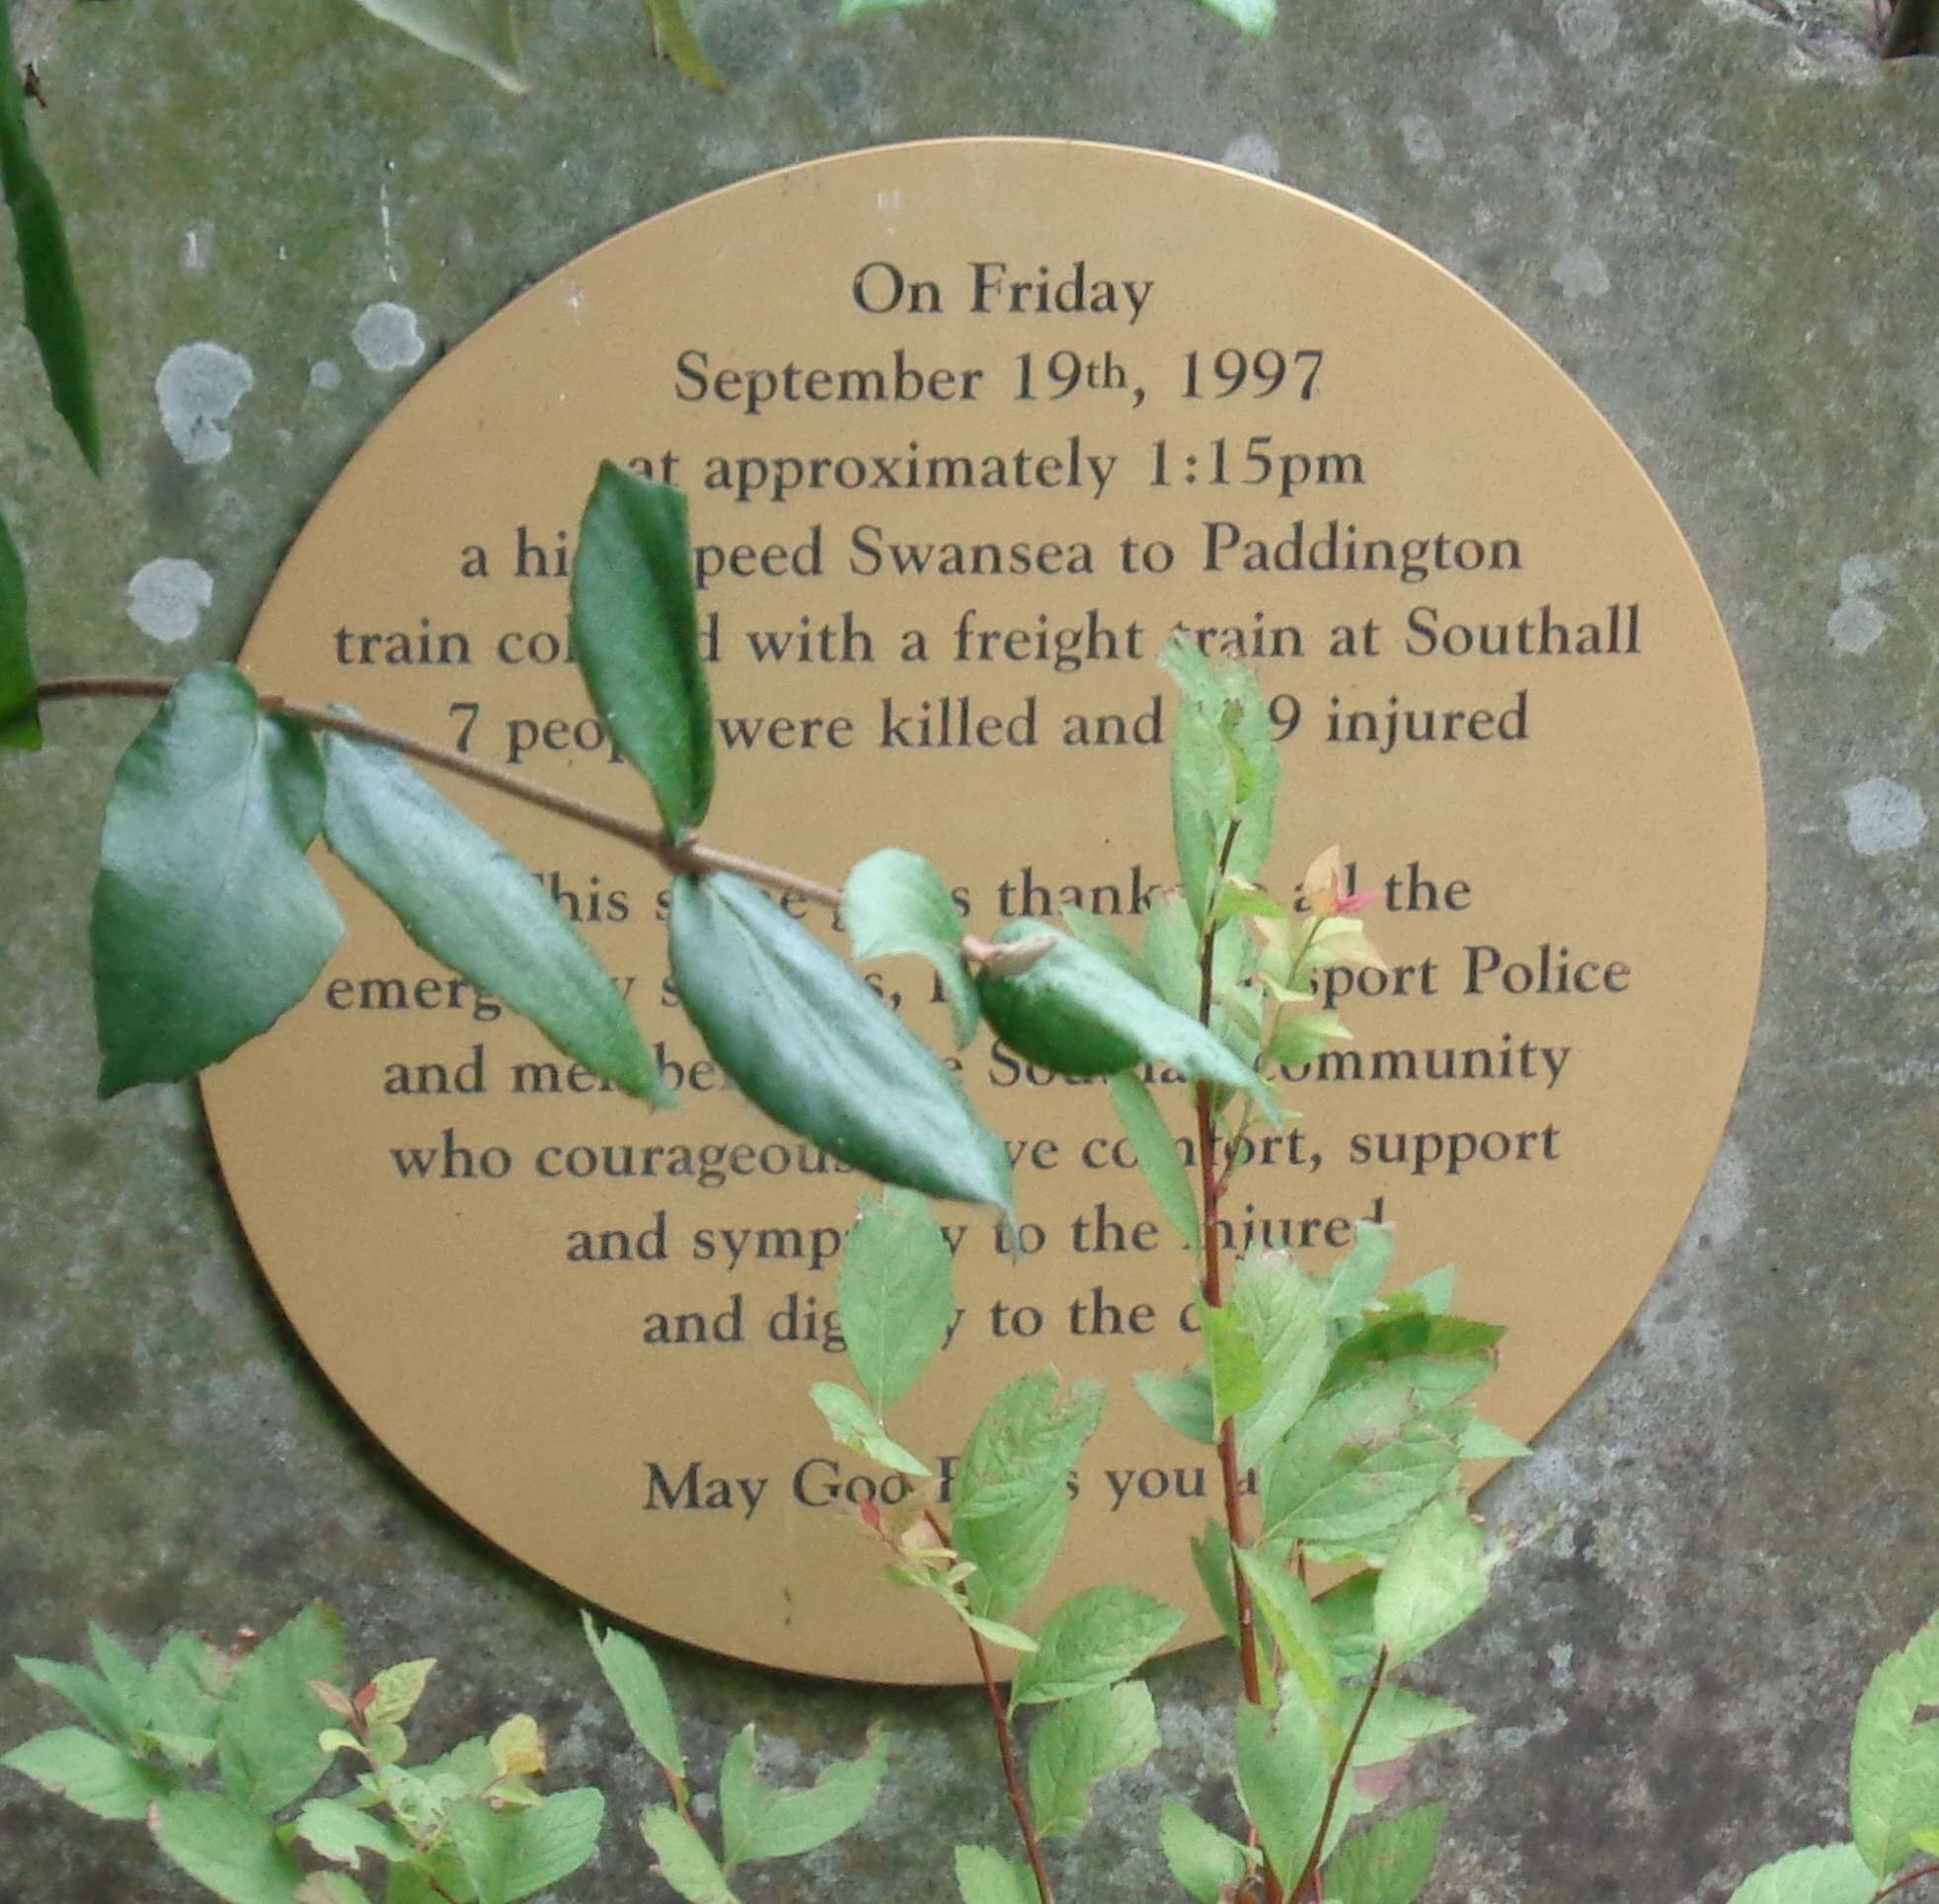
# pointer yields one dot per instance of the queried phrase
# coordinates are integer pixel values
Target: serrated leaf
(999, 1633)
(1076, 1012)
(1284, 1771)
(1212, 1556)
(1353, 1499)
(1821, 1874)
(1181, 1402)
(685, 1862)
(481, 32)
(856, 1425)
(1157, 1155)
(758, 1822)
(1294, 1624)
(182, 1689)
(1440, 1357)
(19, 714)
(50, 299)
(1895, 1759)
(342, 1833)
(1347, 1618)
(1389, 1863)
(677, 40)
(823, 1056)
(1012, 1502)
(1434, 1579)
(225, 1848)
(1224, 766)
(1357, 1278)
(982, 1876)
(87, 1771)
(208, 922)
(1282, 1310)
(1483, 1441)
(267, 1731)
(86, 1692)
(636, 633)
(895, 902)
(895, 1295)
(513, 1854)
(518, 1749)
(396, 1690)
(1232, 1357)
(1203, 1860)
(1095, 1639)
(629, 1671)
(465, 900)
(1081, 1744)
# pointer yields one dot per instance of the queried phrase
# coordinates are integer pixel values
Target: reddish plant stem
(1899, 1885)
(1006, 1746)
(1308, 1890)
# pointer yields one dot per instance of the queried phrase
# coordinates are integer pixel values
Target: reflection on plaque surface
(970, 431)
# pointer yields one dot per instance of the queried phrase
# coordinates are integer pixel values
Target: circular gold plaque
(971, 429)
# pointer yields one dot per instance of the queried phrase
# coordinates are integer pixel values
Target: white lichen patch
(166, 599)
(1855, 624)
(1883, 817)
(1507, 81)
(197, 391)
(1253, 152)
(1581, 272)
(326, 374)
(387, 337)
(1589, 28)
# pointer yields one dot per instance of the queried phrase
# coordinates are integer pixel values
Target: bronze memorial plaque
(970, 431)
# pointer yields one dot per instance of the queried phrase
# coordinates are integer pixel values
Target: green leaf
(1203, 1858)
(50, 299)
(208, 922)
(1483, 1441)
(182, 1690)
(1231, 1355)
(266, 1734)
(396, 1692)
(1895, 1760)
(1081, 1744)
(1440, 1357)
(512, 1854)
(86, 1692)
(1077, 1014)
(982, 1876)
(1822, 1874)
(1254, 16)
(685, 1859)
(89, 1772)
(225, 1849)
(330, 1888)
(1181, 1402)
(1012, 1502)
(1281, 1307)
(1388, 1863)
(1355, 1498)
(1294, 1624)
(19, 712)
(822, 1055)
(1211, 1556)
(1436, 1577)
(342, 1833)
(470, 904)
(1357, 1278)
(758, 1822)
(484, 32)
(1095, 1639)
(856, 1425)
(1224, 766)
(636, 633)
(895, 902)
(634, 1679)
(1284, 1771)
(1347, 1616)
(895, 1295)
(677, 40)
(1297, 1041)
(1104, 940)
(1156, 1153)
(1012, 1638)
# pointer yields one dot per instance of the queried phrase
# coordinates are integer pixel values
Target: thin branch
(1005, 1745)
(1309, 1877)
(1910, 1877)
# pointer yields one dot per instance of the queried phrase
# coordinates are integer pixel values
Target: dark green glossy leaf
(20, 715)
(897, 902)
(483, 32)
(48, 293)
(674, 34)
(468, 903)
(208, 922)
(636, 631)
(809, 1043)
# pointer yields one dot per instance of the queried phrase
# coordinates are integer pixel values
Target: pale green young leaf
(1103, 938)
(677, 40)
(1435, 1579)
(125, 1675)
(895, 902)
(19, 714)
(1203, 1860)
(481, 32)
(1821, 1874)
(266, 1734)
(1172, 953)
(1389, 1863)
(998, 1632)
(1012, 1504)
(470, 904)
(1297, 1041)
(1224, 767)
(86, 1692)
(88, 1771)
(1927, 1842)
(1232, 1356)
(1157, 1155)
(984, 1876)
(225, 1848)
(1283, 1768)
(629, 1671)
(823, 1056)
(685, 1860)
(1095, 1639)
(758, 1822)
(1212, 1556)
(895, 1296)
(1347, 1618)
(1294, 1624)
(1895, 1759)
(1357, 1276)
(342, 1833)
(1483, 1441)
(1435, 1289)
(397, 1691)
(208, 922)
(1281, 1307)
(1082, 1742)
(1181, 1402)
(856, 1425)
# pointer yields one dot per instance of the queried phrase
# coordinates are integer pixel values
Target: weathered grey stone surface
(1725, 226)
